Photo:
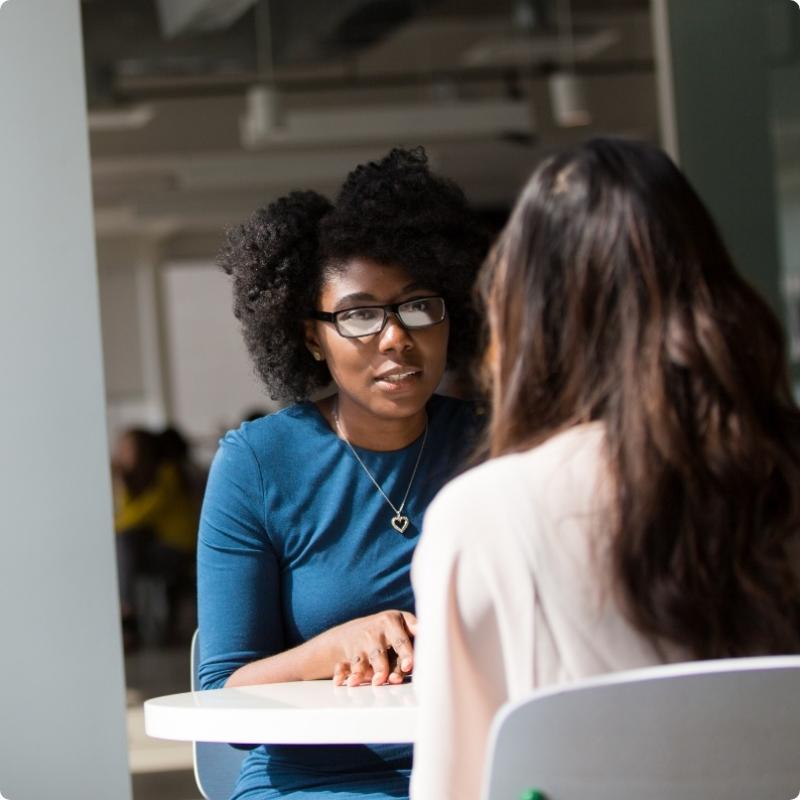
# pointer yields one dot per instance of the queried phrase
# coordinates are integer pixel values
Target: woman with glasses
(311, 514)
(643, 486)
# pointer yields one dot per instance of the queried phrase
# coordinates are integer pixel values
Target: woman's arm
(238, 576)
(239, 605)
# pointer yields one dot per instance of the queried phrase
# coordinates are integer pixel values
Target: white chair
(216, 766)
(713, 730)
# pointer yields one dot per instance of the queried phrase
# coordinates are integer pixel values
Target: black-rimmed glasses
(421, 312)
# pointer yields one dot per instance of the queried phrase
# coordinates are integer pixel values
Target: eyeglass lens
(418, 313)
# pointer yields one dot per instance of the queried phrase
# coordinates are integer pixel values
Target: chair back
(216, 766)
(713, 730)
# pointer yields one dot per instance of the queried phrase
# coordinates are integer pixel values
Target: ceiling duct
(536, 36)
(521, 50)
(194, 16)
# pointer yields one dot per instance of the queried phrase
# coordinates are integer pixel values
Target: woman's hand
(377, 649)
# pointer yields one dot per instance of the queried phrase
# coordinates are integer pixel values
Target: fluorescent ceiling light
(121, 119)
(410, 122)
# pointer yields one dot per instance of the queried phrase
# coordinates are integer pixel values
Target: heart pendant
(400, 523)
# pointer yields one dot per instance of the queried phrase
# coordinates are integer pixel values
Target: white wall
(172, 348)
(132, 335)
(122, 334)
(211, 378)
(62, 724)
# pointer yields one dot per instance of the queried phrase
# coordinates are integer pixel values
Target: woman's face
(126, 454)
(390, 374)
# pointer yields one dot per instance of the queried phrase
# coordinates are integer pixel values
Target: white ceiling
(167, 155)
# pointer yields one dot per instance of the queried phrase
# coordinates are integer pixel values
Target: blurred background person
(157, 498)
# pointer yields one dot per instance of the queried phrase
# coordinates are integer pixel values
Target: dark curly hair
(393, 211)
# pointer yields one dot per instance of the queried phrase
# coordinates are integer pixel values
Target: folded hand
(377, 649)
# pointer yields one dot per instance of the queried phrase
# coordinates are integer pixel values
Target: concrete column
(712, 65)
(62, 697)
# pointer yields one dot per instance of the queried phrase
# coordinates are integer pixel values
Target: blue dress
(295, 539)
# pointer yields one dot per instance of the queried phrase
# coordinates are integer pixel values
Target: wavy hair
(612, 297)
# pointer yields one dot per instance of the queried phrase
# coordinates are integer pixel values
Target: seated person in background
(311, 514)
(174, 449)
(156, 517)
(641, 503)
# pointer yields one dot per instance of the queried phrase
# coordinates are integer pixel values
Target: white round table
(305, 712)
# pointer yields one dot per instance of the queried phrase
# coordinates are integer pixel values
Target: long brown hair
(612, 297)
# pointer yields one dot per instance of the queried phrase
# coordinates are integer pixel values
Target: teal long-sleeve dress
(295, 539)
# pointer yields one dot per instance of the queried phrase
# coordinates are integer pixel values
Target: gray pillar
(713, 77)
(62, 697)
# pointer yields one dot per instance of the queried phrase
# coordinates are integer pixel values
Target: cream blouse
(512, 591)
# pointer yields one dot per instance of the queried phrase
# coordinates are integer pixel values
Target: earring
(317, 355)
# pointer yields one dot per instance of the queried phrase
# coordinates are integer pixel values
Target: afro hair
(393, 211)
